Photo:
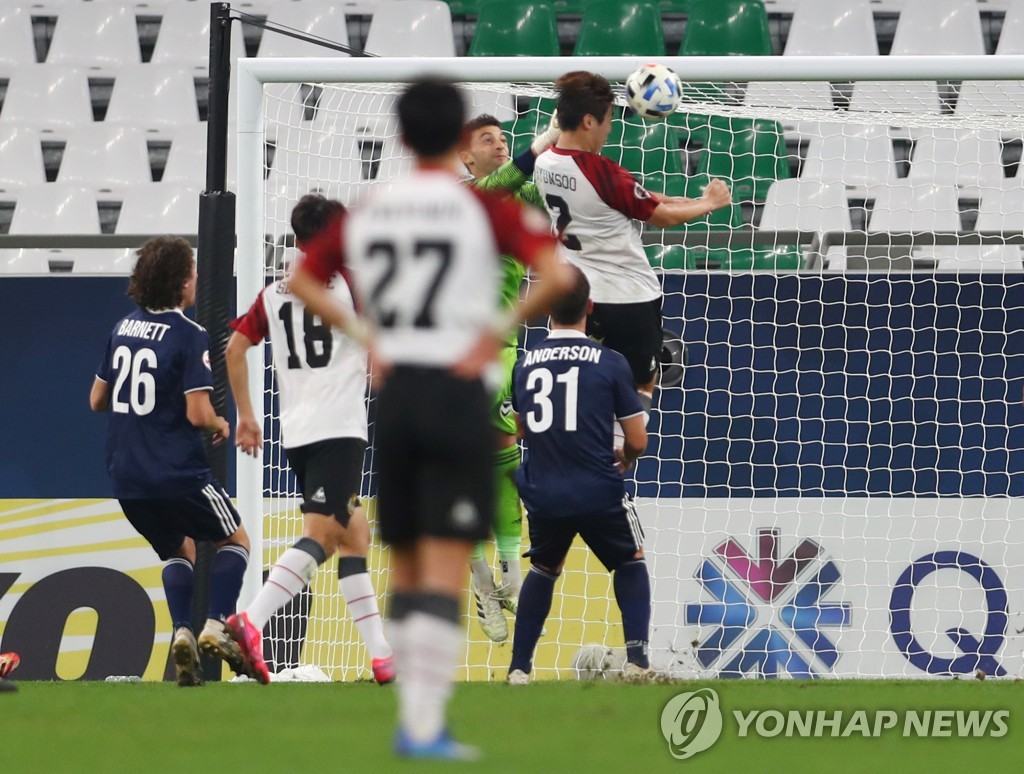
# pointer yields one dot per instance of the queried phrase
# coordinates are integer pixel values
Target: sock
(534, 606)
(483, 578)
(178, 578)
(508, 516)
(633, 594)
(399, 605)
(361, 600)
(508, 558)
(226, 580)
(292, 573)
(434, 644)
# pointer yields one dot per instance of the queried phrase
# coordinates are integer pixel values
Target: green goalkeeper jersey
(508, 177)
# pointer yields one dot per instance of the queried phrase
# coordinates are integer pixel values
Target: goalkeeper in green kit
(486, 155)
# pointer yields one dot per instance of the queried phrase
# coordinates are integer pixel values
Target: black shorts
(434, 452)
(614, 537)
(634, 331)
(329, 473)
(207, 514)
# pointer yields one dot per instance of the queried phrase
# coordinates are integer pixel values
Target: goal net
(837, 438)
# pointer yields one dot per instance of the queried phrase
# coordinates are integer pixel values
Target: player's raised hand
(717, 194)
(249, 436)
(547, 138)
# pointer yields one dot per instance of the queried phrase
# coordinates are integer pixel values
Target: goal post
(831, 480)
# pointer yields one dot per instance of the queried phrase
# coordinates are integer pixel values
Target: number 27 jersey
(321, 372)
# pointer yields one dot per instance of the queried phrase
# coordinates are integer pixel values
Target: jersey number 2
(142, 385)
(542, 415)
(557, 203)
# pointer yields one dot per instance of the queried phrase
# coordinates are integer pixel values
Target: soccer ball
(653, 91)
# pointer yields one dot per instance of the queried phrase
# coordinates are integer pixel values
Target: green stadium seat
(620, 28)
(750, 153)
(644, 147)
(726, 28)
(726, 218)
(515, 28)
(670, 257)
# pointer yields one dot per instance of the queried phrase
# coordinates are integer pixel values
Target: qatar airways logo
(768, 617)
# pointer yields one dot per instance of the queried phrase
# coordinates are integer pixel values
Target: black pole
(216, 287)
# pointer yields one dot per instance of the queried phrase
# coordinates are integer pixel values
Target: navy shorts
(614, 536)
(329, 473)
(206, 514)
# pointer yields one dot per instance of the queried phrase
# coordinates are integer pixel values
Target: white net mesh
(826, 488)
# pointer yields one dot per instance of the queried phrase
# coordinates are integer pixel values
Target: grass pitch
(562, 728)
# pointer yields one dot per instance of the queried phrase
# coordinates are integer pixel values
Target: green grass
(561, 728)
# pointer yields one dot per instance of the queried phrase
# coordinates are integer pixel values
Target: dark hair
(480, 121)
(572, 307)
(159, 276)
(430, 117)
(312, 213)
(581, 93)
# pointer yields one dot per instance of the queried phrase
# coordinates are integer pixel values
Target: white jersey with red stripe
(321, 372)
(595, 203)
(425, 259)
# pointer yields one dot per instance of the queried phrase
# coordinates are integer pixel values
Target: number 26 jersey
(321, 372)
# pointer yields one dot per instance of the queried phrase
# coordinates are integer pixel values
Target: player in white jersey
(426, 263)
(594, 203)
(321, 375)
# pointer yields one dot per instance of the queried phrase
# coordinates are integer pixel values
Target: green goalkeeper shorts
(503, 417)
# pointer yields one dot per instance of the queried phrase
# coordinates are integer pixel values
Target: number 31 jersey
(593, 202)
(321, 372)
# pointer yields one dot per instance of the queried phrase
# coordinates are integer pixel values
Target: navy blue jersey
(567, 393)
(153, 359)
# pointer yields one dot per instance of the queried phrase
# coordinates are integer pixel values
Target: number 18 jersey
(321, 372)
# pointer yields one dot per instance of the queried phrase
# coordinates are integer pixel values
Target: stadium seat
(1001, 209)
(805, 95)
(620, 28)
(1011, 39)
(101, 37)
(850, 154)
(645, 148)
(21, 157)
(751, 153)
(49, 98)
(895, 97)
(184, 39)
(160, 208)
(727, 218)
(990, 97)
(157, 99)
(515, 28)
(726, 27)
(186, 160)
(940, 27)
(106, 157)
(832, 28)
(17, 42)
(907, 206)
(807, 205)
(52, 208)
(965, 157)
(314, 17)
(411, 28)
(500, 104)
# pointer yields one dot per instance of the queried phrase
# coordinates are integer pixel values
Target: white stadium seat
(97, 36)
(184, 38)
(832, 28)
(964, 157)
(895, 97)
(996, 98)
(808, 205)
(157, 99)
(321, 19)
(50, 98)
(850, 154)
(17, 42)
(1011, 39)
(411, 28)
(160, 208)
(1001, 209)
(21, 157)
(939, 27)
(186, 161)
(106, 157)
(908, 206)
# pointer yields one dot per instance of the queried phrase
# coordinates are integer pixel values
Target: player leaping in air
(321, 373)
(593, 202)
(485, 154)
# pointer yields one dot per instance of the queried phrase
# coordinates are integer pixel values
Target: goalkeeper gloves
(8, 663)
(547, 138)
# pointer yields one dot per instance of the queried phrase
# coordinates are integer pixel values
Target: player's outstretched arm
(672, 211)
(99, 395)
(249, 433)
(201, 414)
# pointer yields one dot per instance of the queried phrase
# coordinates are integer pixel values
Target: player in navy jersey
(321, 376)
(567, 393)
(425, 257)
(594, 203)
(156, 380)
